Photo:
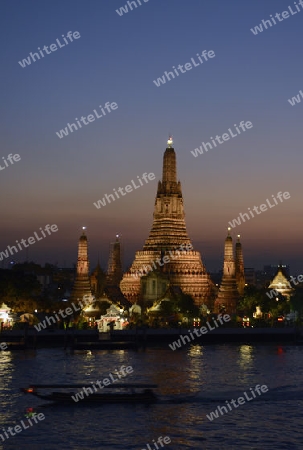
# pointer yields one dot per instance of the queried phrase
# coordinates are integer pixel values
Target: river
(192, 382)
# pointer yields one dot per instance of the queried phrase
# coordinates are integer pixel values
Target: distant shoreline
(20, 339)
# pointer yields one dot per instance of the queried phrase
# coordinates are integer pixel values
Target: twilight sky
(116, 59)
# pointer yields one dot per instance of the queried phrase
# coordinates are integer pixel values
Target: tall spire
(161, 252)
(169, 164)
(229, 268)
(114, 272)
(240, 276)
(82, 283)
(228, 293)
(169, 229)
(169, 184)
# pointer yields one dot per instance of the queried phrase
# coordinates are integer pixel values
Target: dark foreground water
(193, 382)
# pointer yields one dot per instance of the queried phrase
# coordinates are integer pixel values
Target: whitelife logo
(297, 99)
(263, 207)
(203, 330)
(161, 441)
(124, 9)
(11, 158)
(31, 240)
(18, 428)
(221, 139)
(187, 66)
(53, 48)
(272, 21)
(49, 320)
(3, 346)
(124, 371)
(151, 176)
(241, 401)
(89, 118)
(273, 293)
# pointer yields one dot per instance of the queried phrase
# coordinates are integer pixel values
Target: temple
(228, 294)
(168, 251)
(281, 285)
(240, 275)
(105, 286)
(114, 272)
(82, 282)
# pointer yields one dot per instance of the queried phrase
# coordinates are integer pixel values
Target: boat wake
(277, 394)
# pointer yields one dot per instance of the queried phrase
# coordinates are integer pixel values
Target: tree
(19, 290)
(296, 302)
(186, 305)
(252, 297)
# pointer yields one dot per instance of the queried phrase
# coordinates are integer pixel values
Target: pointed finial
(170, 142)
(239, 237)
(83, 229)
(228, 229)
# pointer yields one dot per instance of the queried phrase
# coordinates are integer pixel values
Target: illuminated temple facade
(161, 256)
(281, 284)
(240, 276)
(82, 282)
(228, 295)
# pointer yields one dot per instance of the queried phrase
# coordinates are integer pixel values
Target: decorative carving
(168, 232)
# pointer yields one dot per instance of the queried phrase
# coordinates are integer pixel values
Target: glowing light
(170, 141)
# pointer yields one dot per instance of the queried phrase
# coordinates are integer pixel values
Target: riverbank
(142, 337)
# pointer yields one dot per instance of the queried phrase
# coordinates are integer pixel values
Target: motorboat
(115, 393)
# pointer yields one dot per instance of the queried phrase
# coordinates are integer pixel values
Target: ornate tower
(114, 272)
(240, 277)
(228, 294)
(161, 251)
(82, 283)
(168, 229)
(97, 281)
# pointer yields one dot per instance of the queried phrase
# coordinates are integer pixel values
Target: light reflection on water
(192, 382)
(245, 356)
